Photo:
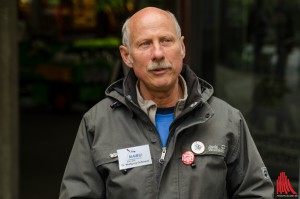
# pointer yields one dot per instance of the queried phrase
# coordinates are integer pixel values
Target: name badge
(134, 157)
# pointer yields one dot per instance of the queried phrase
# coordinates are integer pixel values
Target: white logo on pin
(198, 147)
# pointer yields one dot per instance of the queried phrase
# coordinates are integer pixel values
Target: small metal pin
(113, 155)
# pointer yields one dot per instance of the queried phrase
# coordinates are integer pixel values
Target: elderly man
(160, 132)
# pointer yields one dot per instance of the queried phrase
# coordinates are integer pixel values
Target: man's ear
(182, 50)
(125, 55)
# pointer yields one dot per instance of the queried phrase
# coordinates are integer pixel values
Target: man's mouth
(158, 66)
(159, 69)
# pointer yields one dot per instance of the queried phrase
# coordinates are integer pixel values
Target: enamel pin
(188, 157)
(198, 147)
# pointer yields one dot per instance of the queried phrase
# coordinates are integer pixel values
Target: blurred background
(58, 56)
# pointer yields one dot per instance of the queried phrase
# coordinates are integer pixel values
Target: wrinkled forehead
(149, 22)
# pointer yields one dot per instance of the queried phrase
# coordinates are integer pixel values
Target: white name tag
(134, 157)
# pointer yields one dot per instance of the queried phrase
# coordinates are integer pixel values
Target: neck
(163, 98)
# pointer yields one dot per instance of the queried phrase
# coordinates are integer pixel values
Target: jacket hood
(198, 89)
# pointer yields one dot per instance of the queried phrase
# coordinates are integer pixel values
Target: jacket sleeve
(247, 175)
(81, 179)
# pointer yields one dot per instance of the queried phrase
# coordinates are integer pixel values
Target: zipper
(163, 155)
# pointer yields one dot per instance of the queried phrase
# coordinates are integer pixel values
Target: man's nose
(158, 52)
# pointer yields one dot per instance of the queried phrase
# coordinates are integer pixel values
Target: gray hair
(126, 30)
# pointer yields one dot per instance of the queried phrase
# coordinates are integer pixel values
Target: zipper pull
(163, 155)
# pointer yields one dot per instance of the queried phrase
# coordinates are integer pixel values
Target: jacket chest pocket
(122, 183)
(212, 163)
(106, 161)
(206, 174)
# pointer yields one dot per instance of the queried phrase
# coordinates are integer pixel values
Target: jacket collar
(124, 90)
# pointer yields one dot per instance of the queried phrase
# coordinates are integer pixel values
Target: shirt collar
(150, 107)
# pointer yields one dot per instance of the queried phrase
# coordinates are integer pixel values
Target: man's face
(156, 53)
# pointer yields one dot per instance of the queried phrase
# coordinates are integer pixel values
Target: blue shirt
(163, 119)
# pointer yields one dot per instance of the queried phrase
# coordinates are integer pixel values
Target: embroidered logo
(216, 148)
(265, 173)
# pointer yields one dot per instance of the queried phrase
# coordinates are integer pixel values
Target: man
(160, 133)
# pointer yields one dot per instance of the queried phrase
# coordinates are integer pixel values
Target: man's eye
(145, 43)
(166, 41)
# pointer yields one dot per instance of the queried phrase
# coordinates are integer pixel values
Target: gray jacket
(229, 167)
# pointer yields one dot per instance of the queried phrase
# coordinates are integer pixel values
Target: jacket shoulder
(221, 105)
(101, 109)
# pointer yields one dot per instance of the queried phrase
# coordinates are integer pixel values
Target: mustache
(158, 65)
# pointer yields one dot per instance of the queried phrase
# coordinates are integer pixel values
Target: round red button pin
(188, 157)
